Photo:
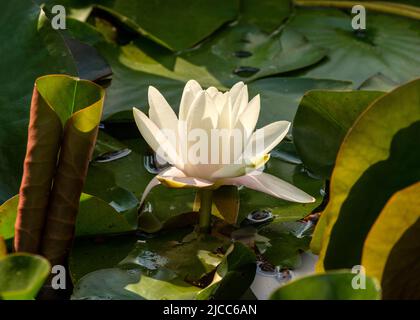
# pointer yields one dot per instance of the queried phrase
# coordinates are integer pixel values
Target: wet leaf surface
(22, 275)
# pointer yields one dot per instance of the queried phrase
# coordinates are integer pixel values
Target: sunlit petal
(271, 185)
(191, 90)
(155, 138)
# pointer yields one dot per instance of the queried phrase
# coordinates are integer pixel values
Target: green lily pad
(378, 82)
(182, 30)
(237, 270)
(286, 242)
(95, 217)
(329, 286)
(169, 250)
(154, 279)
(380, 150)
(285, 51)
(321, 122)
(268, 15)
(8, 211)
(280, 97)
(94, 253)
(22, 275)
(389, 45)
(107, 284)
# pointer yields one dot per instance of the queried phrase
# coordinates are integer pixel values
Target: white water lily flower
(202, 113)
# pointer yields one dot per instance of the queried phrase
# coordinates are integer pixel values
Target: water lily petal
(160, 112)
(225, 113)
(235, 90)
(202, 113)
(184, 182)
(265, 139)
(220, 101)
(153, 183)
(191, 90)
(230, 170)
(172, 171)
(239, 104)
(212, 91)
(239, 169)
(249, 118)
(155, 138)
(271, 185)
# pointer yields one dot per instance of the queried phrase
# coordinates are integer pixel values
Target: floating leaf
(22, 275)
(153, 280)
(8, 211)
(170, 251)
(175, 31)
(389, 45)
(322, 120)
(237, 270)
(95, 217)
(286, 242)
(91, 254)
(328, 286)
(266, 14)
(280, 97)
(378, 82)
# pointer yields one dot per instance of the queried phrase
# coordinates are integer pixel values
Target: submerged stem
(206, 196)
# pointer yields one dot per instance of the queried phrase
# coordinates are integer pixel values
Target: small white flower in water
(191, 141)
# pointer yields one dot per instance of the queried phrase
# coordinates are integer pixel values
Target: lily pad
(22, 275)
(329, 286)
(94, 253)
(268, 15)
(169, 250)
(175, 31)
(236, 272)
(286, 242)
(8, 212)
(389, 45)
(280, 97)
(322, 120)
(95, 217)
